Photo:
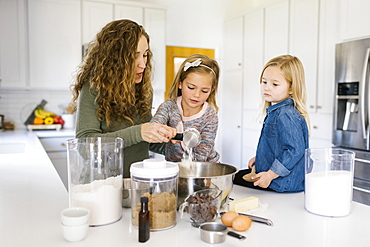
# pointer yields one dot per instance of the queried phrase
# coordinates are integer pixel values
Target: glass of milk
(95, 167)
(329, 181)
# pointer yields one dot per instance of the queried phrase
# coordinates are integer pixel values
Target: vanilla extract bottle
(144, 220)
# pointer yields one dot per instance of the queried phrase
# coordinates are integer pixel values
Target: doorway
(175, 56)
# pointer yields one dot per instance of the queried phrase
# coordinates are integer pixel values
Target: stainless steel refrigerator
(351, 125)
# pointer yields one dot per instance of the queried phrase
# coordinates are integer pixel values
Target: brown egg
(241, 223)
(228, 217)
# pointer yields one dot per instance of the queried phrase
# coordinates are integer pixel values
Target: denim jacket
(281, 147)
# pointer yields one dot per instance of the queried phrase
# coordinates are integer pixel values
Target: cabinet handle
(311, 106)
(315, 127)
(318, 107)
(63, 144)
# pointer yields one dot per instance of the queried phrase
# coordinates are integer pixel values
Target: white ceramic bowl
(75, 233)
(75, 216)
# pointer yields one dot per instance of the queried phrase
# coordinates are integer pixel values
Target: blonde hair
(293, 72)
(109, 67)
(208, 65)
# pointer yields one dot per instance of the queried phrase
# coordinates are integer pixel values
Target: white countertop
(32, 197)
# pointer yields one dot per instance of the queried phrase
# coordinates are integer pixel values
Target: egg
(241, 223)
(228, 217)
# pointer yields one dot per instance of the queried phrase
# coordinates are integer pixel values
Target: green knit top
(88, 125)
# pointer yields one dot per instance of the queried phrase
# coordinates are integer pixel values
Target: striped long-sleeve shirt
(206, 122)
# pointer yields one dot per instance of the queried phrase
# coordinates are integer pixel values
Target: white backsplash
(16, 106)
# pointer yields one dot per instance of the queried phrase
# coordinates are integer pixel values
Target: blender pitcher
(329, 181)
(95, 171)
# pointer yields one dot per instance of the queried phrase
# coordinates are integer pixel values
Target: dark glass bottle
(144, 221)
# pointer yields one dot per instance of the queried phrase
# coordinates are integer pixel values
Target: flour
(329, 193)
(102, 197)
(187, 163)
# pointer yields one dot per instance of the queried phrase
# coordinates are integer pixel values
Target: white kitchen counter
(32, 196)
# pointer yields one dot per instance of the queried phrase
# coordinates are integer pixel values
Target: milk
(329, 193)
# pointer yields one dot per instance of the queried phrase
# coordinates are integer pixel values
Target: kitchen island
(32, 197)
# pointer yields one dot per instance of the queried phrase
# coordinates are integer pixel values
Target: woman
(114, 93)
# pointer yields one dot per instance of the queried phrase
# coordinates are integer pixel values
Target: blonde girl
(192, 104)
(279, 160)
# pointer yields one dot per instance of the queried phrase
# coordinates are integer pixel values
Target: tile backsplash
(16, 106)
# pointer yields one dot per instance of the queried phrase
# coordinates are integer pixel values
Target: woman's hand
(157, 133)
(265, 178)
(251, 162)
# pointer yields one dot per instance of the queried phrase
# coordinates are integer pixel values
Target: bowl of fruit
(43, 119)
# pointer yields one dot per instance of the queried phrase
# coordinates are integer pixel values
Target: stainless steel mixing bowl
(203, 175)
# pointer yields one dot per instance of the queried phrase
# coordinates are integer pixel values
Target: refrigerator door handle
(364, 105)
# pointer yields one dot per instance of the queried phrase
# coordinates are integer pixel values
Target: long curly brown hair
(109, 67)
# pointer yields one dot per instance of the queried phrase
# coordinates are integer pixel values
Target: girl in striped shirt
(192, 104)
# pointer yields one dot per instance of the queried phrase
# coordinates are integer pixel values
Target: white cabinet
(276, 29)
(253, 58)
(95, 15)
(233, 44)
(328, 38)
(253, 64)
(354, 19)
(154, 23)
(129, 12)
(56, 148)
(303, 42)
(13, 44)
(321, 121)
(54, 42)
(231, 93)
(308, 29)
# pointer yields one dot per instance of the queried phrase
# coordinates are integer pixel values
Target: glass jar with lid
(157, 180)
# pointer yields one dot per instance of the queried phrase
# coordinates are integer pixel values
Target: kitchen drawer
(55, 143)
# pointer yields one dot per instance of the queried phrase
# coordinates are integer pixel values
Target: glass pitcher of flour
(329, 181)
(95, 167)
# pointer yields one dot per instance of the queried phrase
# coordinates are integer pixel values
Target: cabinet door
(13, 44)
(155, 26)
(95, 16)
(354, 18)
(328, 37)
(129, 12)
(276, 29)
(253, 64)
(54, 42)
(233, 39)
(303, 42)
(253, 58)
(231, 94)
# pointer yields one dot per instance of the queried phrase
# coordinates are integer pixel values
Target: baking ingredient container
(202, 206)
(157, 180)
(126, 193)
(329, 181)
(204, 175)
(95, 167)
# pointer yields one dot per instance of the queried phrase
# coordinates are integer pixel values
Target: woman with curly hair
(113, 91)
